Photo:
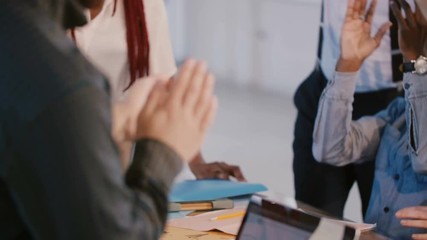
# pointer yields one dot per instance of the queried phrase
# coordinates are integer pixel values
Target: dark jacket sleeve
(67, 182)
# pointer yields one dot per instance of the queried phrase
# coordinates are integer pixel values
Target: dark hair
(137, 38)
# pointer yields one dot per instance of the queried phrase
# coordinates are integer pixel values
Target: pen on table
(227, 216)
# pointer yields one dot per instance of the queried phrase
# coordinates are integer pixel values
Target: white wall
(266, 44)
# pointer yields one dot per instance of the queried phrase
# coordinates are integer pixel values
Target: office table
(173, 233)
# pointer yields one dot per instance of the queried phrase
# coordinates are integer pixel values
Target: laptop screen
(268, 220)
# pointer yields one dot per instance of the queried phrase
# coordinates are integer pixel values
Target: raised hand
(180, 114)
(356, 40)
(412, 29)
(414, 217)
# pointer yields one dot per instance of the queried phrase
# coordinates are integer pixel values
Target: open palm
(356, 40)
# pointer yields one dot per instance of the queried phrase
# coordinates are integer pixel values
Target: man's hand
(356, 41)
(412, 29)
(219, 170)
(414, 217)
(180, 113)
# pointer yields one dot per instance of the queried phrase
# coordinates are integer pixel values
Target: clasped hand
(177, 112)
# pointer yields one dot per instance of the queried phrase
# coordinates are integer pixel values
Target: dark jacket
(60, 174)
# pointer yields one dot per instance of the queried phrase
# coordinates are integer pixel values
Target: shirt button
(406, 86)
(386, 209)
(396, 177)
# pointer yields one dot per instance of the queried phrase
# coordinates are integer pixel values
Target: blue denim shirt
(397, 136)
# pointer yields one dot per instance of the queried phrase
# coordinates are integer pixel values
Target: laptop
(268, 220)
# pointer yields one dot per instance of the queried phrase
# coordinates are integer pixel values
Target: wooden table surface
(173, 233)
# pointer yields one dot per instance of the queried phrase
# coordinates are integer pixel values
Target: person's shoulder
(39, 63)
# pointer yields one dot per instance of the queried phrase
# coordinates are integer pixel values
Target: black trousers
(321, 185)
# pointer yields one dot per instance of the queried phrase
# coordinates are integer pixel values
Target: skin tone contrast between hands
(357, 44)
(126, 113)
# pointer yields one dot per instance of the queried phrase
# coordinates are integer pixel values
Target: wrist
(410, 56)
(348, 65)
(198, 159)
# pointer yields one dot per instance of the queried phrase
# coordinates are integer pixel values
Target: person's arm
(413, 43)
(416, 119)
(67, 181)
(78, 190)
(337, 139)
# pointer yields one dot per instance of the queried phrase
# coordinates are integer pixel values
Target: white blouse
(103, 42)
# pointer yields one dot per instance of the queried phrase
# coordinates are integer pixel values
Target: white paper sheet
(203, 221)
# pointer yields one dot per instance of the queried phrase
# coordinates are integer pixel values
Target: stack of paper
(206, 193)
(227, 221)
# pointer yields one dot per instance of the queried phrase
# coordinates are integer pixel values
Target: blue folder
(205, 190)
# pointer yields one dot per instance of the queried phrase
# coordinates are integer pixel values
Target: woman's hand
(414, 217)
(356, 40)
(218, 170)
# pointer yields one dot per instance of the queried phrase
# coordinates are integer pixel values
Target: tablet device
(269, 220)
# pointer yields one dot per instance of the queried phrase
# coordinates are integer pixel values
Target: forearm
(198, 159)
(338, 140)
(76, 177)
(416, 119)
(155, 165)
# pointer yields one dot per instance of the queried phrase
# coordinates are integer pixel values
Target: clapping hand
(179, 113)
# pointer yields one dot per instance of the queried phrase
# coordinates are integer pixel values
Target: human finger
(410, 19)
(362, 9)
(349, 11)
(381, 32)
(140, 90)
(370, 13)
(205, 96)
(414, 223)
(398, 14)
(154, 99)
(419, 16)
(216, 171)
(182, 80)
(209, 116)
(193, 92)
(419, 236)
(416, 212)
(356, 9)
(234, 171)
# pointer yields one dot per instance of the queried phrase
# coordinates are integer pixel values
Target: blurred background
(260, 51)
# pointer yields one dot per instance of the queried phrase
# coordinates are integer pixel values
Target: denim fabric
(396, 137)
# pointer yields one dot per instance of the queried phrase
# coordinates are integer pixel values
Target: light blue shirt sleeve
(337, 140)
(416, 116)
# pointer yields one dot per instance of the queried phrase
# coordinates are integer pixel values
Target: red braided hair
(137, 39)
